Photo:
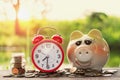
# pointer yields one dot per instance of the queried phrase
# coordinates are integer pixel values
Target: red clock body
(47, 55)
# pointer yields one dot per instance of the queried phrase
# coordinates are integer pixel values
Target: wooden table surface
(116, 76)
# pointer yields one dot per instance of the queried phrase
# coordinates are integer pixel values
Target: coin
(15, 71)
(43, 76)
(54, 75)
(109, 71)
(107, 75)
(29, 75)
(72, 75)
(67, 69)
(67, 73)
(19, 76)
(80, 71)
(9, 75)
(93, 73)
(30, 71)
(78, 75)
(72, 70)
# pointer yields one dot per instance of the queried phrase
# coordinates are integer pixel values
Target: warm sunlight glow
(58, 9)
(23, 14)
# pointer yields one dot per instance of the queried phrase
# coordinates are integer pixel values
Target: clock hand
(43, 53)
(47, 66)
(44, 58)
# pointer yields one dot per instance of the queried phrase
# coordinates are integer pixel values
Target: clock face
(47, 55)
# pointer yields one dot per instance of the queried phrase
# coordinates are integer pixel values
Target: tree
(18, 30)
(96, 20)
(97, 16)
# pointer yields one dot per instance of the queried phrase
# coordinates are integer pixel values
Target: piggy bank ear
(95, 33)
(75, 35)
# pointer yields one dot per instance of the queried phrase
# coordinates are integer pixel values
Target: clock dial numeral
(43, 46)
(57, 51)
(38, 61)
(48, 45)
(42, 65)
(57, 61)
(36, 56)
(39, 51)
(53, 47)
(53, 65)
(59, 56)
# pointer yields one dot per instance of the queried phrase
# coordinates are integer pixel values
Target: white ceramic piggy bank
(88, 50)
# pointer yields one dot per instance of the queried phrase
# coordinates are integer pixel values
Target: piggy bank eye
(78, 43)
(88, 42)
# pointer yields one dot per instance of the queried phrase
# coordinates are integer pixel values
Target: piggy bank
(88, 51)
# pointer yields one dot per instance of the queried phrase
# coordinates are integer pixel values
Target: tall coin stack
(18, 64)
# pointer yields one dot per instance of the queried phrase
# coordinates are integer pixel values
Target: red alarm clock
(47, 54)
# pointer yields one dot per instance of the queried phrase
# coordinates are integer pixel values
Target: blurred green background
(16, 35)
(11, 42)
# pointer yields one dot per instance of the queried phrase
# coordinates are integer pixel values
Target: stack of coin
(18, 67)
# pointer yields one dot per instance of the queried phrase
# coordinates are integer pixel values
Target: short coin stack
(18, 64)
(17, 69)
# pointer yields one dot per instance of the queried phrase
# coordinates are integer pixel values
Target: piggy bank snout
(84, 54)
